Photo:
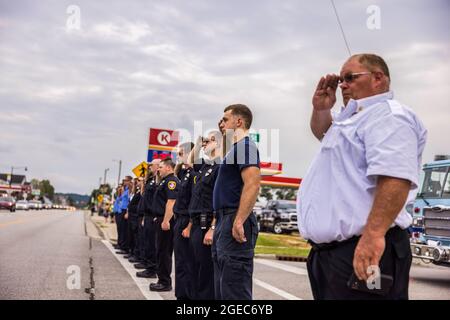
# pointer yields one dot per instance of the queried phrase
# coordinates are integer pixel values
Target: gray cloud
(71, 102)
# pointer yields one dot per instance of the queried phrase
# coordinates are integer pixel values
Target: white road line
(281, 266)
(142, 283)
(275, 290)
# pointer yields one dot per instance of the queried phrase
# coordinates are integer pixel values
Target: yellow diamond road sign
(140, 170)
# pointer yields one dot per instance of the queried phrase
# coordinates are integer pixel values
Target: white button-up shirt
(369, 137)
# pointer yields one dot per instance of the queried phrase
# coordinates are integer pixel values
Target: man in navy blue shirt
(235, 193)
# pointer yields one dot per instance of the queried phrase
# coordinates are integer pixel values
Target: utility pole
(104, 177)
(120, 169)
(12, 172)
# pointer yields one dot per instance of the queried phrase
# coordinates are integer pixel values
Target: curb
(99, 230)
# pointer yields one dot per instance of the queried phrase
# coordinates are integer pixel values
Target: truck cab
(279, 216)
(431, 214)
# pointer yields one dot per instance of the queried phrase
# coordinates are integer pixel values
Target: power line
(342, 29)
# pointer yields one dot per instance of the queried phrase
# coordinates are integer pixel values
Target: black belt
(196, 219)
(180, 215)
(226, 211)
(335, 244)
(332, 245)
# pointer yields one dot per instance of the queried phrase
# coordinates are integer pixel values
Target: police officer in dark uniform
(139, 254)
(181, 243)
(133, 221)
(202, 217)
(162, 207)
(149, 227)
(235, 193)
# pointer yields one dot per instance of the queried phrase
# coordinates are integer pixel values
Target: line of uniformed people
(176, 210)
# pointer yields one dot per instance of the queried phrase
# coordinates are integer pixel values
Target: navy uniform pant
(150, 243)
(118, 220)
(122, 226)
(329, 269)
(183, 260)
(233, 261)
(133, 234)
(124, 232)
(164, 250)
(140, 238)
(202, 265)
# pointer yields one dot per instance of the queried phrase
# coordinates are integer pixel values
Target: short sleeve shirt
(167, 189)
(186, 177)
(371, 137)
(228, 186)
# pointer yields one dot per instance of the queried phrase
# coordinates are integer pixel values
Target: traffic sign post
(141, 169)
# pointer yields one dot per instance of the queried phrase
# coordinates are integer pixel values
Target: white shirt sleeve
(392, 148)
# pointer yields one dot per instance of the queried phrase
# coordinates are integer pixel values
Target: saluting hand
(165, 225)
(325, 95)
(238, 232)
(367, 254)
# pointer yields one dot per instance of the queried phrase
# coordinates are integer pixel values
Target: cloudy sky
(72, 100)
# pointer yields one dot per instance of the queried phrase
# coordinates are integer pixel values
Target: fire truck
(430, 240)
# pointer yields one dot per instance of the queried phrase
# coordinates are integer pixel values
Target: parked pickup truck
(278, 216)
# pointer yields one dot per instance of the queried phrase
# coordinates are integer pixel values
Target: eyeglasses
(350, 77)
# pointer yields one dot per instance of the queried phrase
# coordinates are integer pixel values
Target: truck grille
(437, 221)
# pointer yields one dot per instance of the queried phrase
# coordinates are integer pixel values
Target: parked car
(8, 203)
(35, 204)
(22, 205)
(279, 216)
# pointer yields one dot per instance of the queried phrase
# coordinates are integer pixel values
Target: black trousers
(122, 225)
(164, 251)
(117, 219)
(133, 234)
(183, 260)
(330, 269)
(233, 261)
(123, 232)
(203, 265)
(150, 243)
(140, 238)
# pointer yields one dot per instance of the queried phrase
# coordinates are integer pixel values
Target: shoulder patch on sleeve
(172, 185)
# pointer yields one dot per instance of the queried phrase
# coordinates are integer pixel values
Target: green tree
(286, 193)
(47, 189)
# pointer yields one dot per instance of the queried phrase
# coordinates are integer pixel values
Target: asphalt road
(41, 251)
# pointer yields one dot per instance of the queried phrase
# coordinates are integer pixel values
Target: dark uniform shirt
(202, 192)
(150, 188)
(141, 206)
(133, 205)
(228, 187)
(186, 177)
(167, 189)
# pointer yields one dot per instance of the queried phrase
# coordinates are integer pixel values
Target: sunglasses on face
(350, 77)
